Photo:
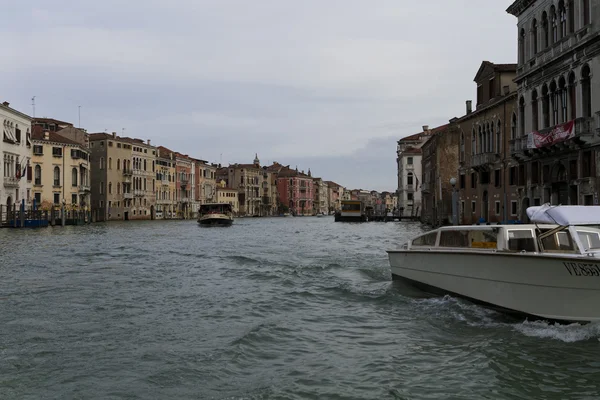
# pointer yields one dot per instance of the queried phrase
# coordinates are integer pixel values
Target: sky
(325, 85)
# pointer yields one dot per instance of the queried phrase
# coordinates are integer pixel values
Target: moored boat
(548, 269)
(215, 214)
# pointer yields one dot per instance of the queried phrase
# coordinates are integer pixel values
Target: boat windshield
(215, 208)
(350, 206)
(557, 240)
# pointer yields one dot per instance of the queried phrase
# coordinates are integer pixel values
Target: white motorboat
(549, 269)
(215, 214)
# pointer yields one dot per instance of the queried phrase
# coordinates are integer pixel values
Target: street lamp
(454, 201)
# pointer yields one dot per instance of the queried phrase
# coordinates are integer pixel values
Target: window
(522, 117)
(473, 143)
(586, 164)
(554, 22)
(409, 197)
(586, 12)
(101, 188)
(118, 163)
(56, 176)
(521, 47)
(545, 106)
(109, 161)
(409, 160)
(118, 187)
(74, 177)
(521, 240)
(144, 164)
(37, 197)
(545, 43)
(74, 199)
(101, 162)
(497, 207)
(499, 138)
(572, 96)
(554, 99)
(492, 88)
(479, 94)
(462, 181)
(473, 180)
(562, 90)
(534, 37)
(513, 207)
(110, 144)
(469, 238)
(118, 145)
(425, 240)
(109, 187)
(38, 150)
(534, 111)
(57, 152)
(562, 12)
(409, 179)
(497, 180)
(586, 91)
(56, 198)
(513, 127)
(462, 207)
(38, 175)
(473, 205)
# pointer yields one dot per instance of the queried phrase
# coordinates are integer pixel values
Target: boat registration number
(582, 269)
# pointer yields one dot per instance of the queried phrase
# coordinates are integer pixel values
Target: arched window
(56, 176)
(571, 12)
(545, 31)
(473, 142)
(534, 37)
(38, 175)
(101, 162)
(534, 111)
(144, 164)
(554, 101)
(152, 166)
(562, 89)
(572, 96)
(490, 129)
(562, 14)
(118, 163)
(586, 11)
(545, 106)
(513, 127)
(109, 187)
(109, 162)
(74, 177)
(522, 46)
(499, 137)
(409, 179)
(586, 90)
(118, 187)
(521, 117)
(554, 22)
(480, 141)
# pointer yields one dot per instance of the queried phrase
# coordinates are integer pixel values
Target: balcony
(139, 193)
(11, 181)
(425, 187)
(184, 200)
(128, 195)
(484, 161)
(183, 183)
(165, 182)
(84, 188)
(409, 166)
(554, 139)
(127, 172)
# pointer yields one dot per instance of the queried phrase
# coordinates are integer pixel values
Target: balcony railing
(482, 159)
(185, 199)
(128, 195)
(127, 172)
(84, 188)
(165, 182)
(11, 181)
(139, 193)
(409, 166)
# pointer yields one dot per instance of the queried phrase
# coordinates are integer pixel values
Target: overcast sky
(329, 85)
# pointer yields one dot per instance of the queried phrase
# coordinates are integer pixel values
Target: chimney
(148, 142)
(469, 107)
(425, 128)
(46, 135)
(506, 90)
(6, 103)
(114, 134)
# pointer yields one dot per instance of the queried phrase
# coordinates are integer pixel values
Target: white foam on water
(565, 333)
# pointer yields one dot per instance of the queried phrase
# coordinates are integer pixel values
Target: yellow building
(60, 170)
(229, 196)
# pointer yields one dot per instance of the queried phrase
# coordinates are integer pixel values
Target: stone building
(408, 160)
(320, 197)
(335, 193)
(295, 191)
(486, 191)
(206, 181)
(15, 147)
(228, 195)
(439, 165)
(185, 187)
(246, 179)
(166, 205)
(61, 170)
(555, 139)
(123, 179)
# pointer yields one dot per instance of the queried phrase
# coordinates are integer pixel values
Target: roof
(287, 172)
(519, 6)
(487, 65)
(332, 183)
(251, 166)
(106, 136)
(50, 120)
(5, 105)
(412, 150)
(418, 136)
(39, 134)
(564, 215)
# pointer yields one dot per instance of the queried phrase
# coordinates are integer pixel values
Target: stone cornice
(519, 6)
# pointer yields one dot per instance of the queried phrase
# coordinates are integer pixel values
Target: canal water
(279, 308)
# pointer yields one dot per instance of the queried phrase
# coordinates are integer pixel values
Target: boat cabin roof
(564, 215)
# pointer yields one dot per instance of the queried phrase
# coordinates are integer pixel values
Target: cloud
(308, 81)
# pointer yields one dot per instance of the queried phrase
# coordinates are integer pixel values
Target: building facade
(486, 190)
(143, 163)
(61, 171)
(185, 189)
(555, 140)
(166, 205)
(228, 195)
(409, 166)
(321, 197)
(206, 181)
(334, 195)
(246, 179)
(295, 191)
(16, 153)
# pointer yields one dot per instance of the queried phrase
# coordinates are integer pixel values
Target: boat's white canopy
(564, 215)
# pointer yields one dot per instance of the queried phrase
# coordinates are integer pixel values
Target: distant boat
(215, 214)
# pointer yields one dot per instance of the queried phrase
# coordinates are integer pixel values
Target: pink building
(295, 190)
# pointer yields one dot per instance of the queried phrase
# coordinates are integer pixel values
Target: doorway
(485, 209)
(126, 215)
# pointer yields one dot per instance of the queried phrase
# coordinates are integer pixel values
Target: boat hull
(215, 220)
(549, 287)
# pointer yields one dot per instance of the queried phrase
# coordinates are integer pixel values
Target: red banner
(558, 134)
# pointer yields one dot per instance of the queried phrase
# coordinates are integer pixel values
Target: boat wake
(475, 315)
